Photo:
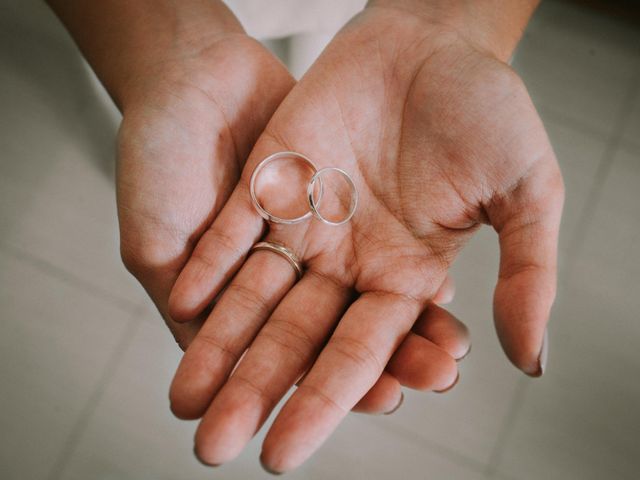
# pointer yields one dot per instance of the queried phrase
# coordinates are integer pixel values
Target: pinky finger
(384, 397)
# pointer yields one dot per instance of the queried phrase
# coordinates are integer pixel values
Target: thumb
(527, 220)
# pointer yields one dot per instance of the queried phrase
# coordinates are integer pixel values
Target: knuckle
(249, 299)
(143, 258)
(289, 343)
(292, 331)
(358, 353)
(224, 243)
(226, 351)
(258, 390)
(325, 398)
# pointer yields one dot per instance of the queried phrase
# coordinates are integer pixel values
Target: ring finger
(233, 323)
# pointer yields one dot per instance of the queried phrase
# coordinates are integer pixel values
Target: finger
(235, 320)
(444, 330)
(413, 364)
(349, 365)
(528, 223)
(217, 256)
(158, 283)
(289, 342)
(446, 292)
(384, 397)
(422, 365)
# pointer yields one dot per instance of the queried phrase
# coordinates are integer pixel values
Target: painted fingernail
(465, 355)
(267, 468)
(394, 409)
(455, 382)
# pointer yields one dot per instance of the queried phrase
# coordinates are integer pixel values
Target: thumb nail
(542, 357)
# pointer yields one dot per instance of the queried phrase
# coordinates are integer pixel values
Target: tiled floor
(85, 362)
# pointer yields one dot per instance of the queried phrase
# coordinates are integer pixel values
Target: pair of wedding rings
(315, 190)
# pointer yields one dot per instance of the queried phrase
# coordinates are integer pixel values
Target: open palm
(438, 137)
(182, 147)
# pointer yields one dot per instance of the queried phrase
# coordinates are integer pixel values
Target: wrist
(131, 44)
(492, 26)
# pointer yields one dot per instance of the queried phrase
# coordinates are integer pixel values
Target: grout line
(453, 455)
(70, 278)
(614, 143)
(90, 406)
(503, 435)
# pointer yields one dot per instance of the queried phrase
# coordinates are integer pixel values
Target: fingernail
(465, 355)
(199, 458)
(544, 352)
(455, 382)
(394, 409)
(542, 357)
(268, 469)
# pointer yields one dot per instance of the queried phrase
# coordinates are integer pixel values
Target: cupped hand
(182, 145)
(439, 137)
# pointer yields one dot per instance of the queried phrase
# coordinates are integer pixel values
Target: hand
(189, 124)
(439, 137)
(181, 147)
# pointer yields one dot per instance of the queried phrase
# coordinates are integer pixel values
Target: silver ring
(313, 203)
(254, 198)
(283, 252)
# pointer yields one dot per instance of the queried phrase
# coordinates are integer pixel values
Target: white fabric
(282, 18)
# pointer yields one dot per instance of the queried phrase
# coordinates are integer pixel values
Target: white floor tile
(54, 346)
(361, 450)
(57, 196)
(581, 65)
(133, 435)
(610, 257)
(581, 419)
(579, 155)
(631, 132)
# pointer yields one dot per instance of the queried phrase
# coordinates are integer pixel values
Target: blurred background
(85, 361)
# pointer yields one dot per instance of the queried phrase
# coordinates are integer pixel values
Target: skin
(196, 92)
(439, 136)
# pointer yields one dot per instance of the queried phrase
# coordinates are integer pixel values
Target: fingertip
(382, 398)
(446, 293)
(542, 357)
(442, 328)
(450, 387)
(521, 315)
(421, 365)
(398, 405)
(201, 459)
(274, 461)
(465, 355)
(182, 405)
(183, 306)
(267, 468)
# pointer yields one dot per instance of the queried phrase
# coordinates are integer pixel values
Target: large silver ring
(254, 197)
(283, 252)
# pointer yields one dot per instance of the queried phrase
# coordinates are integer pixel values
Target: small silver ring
(313, 203)
(254, 198)
(283, 252)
